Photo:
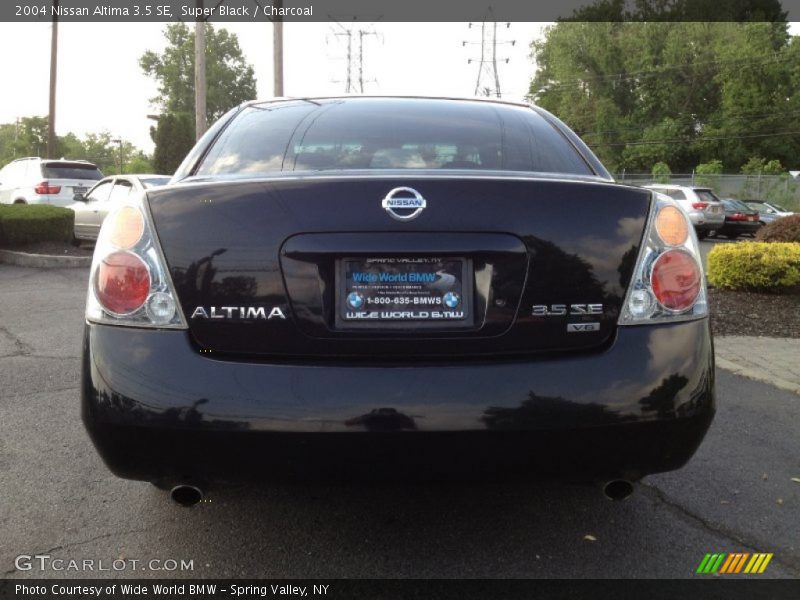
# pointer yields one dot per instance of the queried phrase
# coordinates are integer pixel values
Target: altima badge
(397, 203)
(238, 312)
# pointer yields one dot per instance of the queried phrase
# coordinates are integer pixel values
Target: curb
(45, 261)
(757, 375)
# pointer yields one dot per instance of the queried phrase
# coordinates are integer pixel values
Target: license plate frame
(402, 289)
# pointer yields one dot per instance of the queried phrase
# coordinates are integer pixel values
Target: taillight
(671, 226)
(676, 280)
(668, 282)
(45, 188)
(122, 283)
(700, 205)
(737, 217)
(129, 283)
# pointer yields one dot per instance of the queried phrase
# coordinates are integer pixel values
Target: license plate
(714, 209)
(404, 291)
(751, 218)
(80, 190)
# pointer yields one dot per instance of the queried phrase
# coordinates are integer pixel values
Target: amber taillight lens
(672, 226)
(127, 226)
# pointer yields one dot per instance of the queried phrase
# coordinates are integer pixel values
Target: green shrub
(26, 224)
(755, 266)
(786, 229)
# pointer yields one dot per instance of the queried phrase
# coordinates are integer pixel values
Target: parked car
(740, 219)
(701, 204)
(92, 208)
(35, 180)
(385, 286)
(767, 211)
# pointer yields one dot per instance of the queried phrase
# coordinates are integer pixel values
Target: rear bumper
(740, 227)
(158, 410)
(706, 222)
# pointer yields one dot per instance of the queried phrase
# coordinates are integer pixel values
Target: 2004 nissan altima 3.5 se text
(390, 285)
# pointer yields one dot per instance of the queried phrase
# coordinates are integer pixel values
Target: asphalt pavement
(57, 498)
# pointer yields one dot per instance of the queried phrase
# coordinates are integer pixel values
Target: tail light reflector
(700, 205)
(45, 188)
(676, 280)
(122, 283)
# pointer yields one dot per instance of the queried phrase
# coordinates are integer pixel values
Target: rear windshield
(154, 181)
(390, 134)
(706, 195)
(70, 171)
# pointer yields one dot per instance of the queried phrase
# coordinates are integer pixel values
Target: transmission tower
(354, 58)
(488, 80)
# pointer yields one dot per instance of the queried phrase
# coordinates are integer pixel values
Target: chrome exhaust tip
(617, 489)
(186, 495)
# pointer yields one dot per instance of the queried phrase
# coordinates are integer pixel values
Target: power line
(694, 140)
(660, 70)
(689, 120)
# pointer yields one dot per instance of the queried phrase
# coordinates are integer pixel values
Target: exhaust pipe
(186, 495)
(617, 489)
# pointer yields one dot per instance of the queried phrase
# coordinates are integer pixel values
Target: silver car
(36, 180)
(701, 204)
(91, 209)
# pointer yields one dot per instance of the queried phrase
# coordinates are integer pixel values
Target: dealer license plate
(415, 290)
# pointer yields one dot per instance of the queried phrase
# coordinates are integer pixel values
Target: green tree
(708, 173)
(174, 137)
(229, 78)
(661, 172)
(677, 92)
(138, 163)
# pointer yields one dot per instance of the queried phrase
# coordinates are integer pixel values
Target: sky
(100, 86)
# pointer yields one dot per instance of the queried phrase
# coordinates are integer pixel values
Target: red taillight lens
(122, 283)
(700, 205)
(45, 188)
(737, 217)
(676, 280)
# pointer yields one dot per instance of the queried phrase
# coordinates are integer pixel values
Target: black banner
(405, 589)
(389, 10)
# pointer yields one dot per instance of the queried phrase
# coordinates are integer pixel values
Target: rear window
(390, 134)
(706, 195)
(154, 181)
(734, 204)
(676, 194)
(71, 171)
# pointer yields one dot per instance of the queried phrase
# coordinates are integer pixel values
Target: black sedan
(740, 219)
(392, 286)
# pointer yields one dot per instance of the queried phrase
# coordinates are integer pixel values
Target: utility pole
(51, 119)
(361, 34)
(348, 86)
(353, 84)
(277, 50)
(487, 63)
(200, 73)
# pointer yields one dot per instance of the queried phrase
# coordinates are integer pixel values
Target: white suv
(701, 204)
(41, 181)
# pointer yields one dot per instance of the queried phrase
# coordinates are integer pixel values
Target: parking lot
(736, 495)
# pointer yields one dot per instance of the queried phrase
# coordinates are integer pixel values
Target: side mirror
(79, 198)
